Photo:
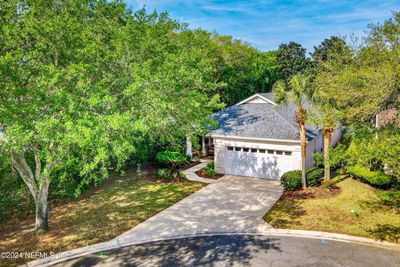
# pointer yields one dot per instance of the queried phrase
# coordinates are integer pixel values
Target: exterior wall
(336, 135)
(310, 149)
(319, 143)
(256, 100)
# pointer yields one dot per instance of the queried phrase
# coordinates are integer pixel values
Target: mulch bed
(310, 192)
(202, 174)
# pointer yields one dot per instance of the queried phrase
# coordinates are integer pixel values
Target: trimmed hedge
(375, 178)
(291, 180)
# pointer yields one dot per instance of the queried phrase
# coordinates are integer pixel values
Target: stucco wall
(336, 135)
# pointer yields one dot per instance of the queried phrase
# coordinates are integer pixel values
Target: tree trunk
(203, 146)
(38, 185)
(41, 221)
(327, 166)
(189, 147)
(303, 145)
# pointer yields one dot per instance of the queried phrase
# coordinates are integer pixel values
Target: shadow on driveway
(248, 250)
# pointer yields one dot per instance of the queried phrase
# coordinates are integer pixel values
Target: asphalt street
(243, 250)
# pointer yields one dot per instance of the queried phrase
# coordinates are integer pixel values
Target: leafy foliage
(390, 197)
(291, 59)
(318, 159)
(314, 176)
(291, 180)
(338, 157)
(169, 175)
(375, 178)
(171, 159)
(209, 170)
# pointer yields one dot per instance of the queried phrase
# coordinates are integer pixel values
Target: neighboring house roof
(255, 118)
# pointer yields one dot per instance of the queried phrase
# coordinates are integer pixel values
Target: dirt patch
(309, 193)
(203, 174)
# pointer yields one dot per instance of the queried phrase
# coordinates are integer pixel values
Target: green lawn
(99, 215)
(354, 210)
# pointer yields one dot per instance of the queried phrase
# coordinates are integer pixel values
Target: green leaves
(172, 159)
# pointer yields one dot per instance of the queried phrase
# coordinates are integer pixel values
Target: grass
(355, 210)
(99, 215)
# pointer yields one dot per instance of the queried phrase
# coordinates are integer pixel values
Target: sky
(266, 24)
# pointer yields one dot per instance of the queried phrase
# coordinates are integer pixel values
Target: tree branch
(19, 163)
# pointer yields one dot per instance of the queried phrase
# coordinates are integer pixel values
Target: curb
(114, 244)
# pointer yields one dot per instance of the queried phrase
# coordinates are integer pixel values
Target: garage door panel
(261, 165)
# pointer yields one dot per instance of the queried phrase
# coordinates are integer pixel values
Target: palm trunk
(327, 166)
(303, 145)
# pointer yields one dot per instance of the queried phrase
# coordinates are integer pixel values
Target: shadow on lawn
(207, 251)
(386, 232)
(288, 210)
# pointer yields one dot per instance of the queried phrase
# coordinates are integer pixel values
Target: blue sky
(266, 24)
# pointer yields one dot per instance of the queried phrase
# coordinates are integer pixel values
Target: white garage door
(261, 163)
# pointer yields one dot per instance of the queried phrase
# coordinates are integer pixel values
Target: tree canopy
(90, 85)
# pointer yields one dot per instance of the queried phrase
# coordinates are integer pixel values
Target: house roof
(255, 118)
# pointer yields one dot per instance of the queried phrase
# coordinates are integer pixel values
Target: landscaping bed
(354, 208)
(203, 174)
(102, 213)
(209, 172)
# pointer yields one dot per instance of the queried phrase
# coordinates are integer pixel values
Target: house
(259, 138)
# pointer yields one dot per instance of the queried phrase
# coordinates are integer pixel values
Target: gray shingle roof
(260, 121)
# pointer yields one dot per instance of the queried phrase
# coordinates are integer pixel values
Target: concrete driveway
(243, 250)
(232, 204)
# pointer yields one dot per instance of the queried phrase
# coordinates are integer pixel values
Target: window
(279, 152)
(245, 149)
(288, 153)
(270, 152)
(230, 148)
(261, 150)
(238, 148)
(253, 150)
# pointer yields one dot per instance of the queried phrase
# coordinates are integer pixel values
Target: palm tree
(298, 91)
(327, 116)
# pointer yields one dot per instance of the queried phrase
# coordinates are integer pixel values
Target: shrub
(291, 180)
(170, 174)
(314, 176)
(172, 159)
(163, 174)
(375, 178)
(338, 157)
(209, 170)
(318, 159)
